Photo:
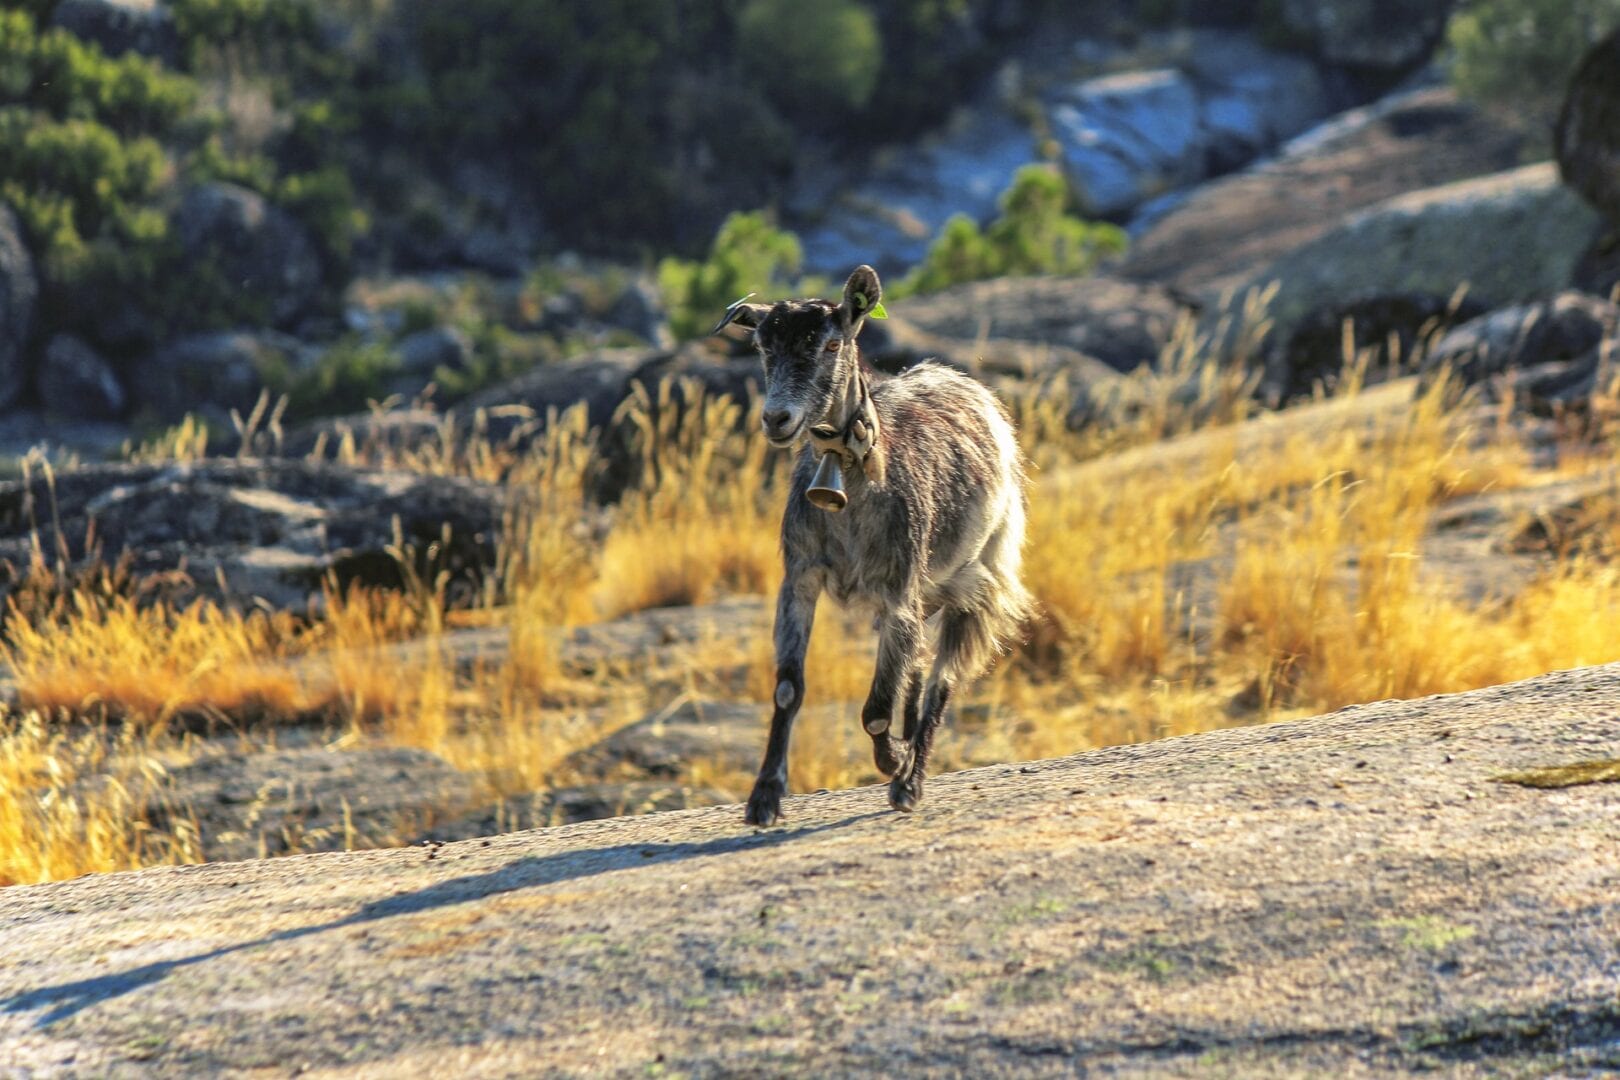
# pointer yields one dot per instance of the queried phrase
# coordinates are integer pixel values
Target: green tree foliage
(350, 374)
(1519, 55)
(814, 60)
(749, 254)
(82, 164)
(640, 123)
(91, 147)
(76, 181)
(56, 73)
(1033, 235)
(211, 23)
(576, 95)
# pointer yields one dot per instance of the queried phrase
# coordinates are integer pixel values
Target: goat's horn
(827, 486)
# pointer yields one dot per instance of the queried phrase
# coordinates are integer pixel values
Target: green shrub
(289, 27)
(83, 196)
(1033, 235)
(933, 51)
(40, 9)
(347, 376)
(324, 201)
(812, 59)
(638, 124)
(54, 72)
(592, 77)
(1519, 55)
(749, 254)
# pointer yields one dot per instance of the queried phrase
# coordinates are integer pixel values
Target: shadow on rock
(68, 999)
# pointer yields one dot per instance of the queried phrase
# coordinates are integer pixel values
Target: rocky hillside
(1392, 888)
(206, 198)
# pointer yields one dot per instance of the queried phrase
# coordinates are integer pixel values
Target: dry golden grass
(702, 525)
(115, 659)
(75, 803)
(1193, 573)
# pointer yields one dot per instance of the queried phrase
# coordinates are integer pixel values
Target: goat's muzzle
(781, 427)
(826, 489)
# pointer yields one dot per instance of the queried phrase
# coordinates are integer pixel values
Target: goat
(933, 529)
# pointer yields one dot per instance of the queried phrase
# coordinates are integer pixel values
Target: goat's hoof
(764, 805)
(887, 754)
(905, 794)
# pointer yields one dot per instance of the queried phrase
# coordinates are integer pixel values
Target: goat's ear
(862, 292)
(743, 314)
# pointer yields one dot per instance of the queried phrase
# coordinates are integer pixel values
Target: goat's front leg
(899, 641)
(795, 617)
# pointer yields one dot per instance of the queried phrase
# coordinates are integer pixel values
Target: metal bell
(827, 486)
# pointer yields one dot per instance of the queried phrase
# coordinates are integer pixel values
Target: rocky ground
(1364, 893)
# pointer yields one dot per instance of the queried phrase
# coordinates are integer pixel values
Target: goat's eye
(832, 345)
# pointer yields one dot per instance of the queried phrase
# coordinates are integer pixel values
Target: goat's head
(808, 349)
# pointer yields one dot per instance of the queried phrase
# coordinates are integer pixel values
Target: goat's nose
(777, 419)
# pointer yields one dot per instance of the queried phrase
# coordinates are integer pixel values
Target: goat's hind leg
(964, 646)
(900, 638)
(795, 618)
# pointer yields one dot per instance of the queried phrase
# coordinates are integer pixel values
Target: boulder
(423, 354)
(891, 345)
(1395, 328)
(1509, 237)
(1548, 353)
(272, 529)
(1588, 134)
(209, 374)
(121, 26)
(76, 383)
(1225, 231)
(1382, 37)
(1220, 100)
(599, 380)
(514, 412)
(62, 440)
(668, 381)
(1558, 388)
(563, 314)
(373, 436)
(1599, 272)
(1121, 323)
(1252, 98)
(892, 212)
(1127, 138)
(640, 310)
(504, 252)
(425, 351)
(258, 247)
(736, 377)
(19, 291)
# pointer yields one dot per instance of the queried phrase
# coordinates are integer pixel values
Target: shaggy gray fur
(934, 535)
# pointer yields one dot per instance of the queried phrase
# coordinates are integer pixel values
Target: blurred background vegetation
(653, 132)
(1518, 55)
